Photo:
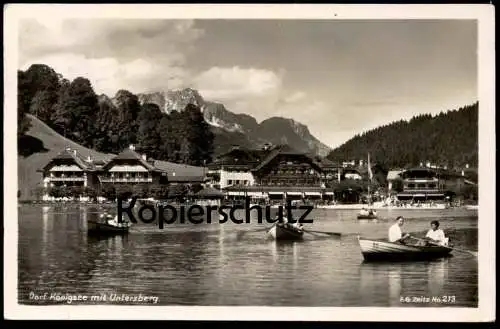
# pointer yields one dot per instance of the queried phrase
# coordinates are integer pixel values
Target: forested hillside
(447, 139)
(109, 125)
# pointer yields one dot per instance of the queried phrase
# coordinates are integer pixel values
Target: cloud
(295, 97)
(138, 55)
(231, 83)
(151, 55)
(108, 75)
(96, 38)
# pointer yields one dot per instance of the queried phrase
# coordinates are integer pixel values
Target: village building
(392, 176)
(130, 168)
(426, 183)
(273, 172)
(70, 170)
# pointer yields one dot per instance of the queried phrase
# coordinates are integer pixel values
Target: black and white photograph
(288, 162)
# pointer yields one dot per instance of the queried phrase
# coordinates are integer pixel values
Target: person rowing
(395, 233)
(295, 225)
(435, 235)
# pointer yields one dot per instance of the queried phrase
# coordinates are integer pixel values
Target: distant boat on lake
(107, 225)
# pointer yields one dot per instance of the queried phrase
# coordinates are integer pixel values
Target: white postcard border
(487, 215)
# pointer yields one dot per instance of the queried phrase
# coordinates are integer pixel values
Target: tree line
(448, 139)
(74, 110)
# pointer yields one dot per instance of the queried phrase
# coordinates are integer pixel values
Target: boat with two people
(368, 213)
(383, 250)
(286, 230)
(108, 224)
(403, 247)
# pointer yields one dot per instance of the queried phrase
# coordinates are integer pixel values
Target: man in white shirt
(436, 235)
(395, 233)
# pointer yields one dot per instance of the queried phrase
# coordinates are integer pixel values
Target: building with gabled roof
(68, 168)
(128, 168)
(273, 171)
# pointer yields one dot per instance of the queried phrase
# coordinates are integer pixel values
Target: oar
(323, 232)
(241, 233)
(473, 253)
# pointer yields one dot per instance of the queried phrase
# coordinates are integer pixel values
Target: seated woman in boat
(363, 212)
(395, 233)
(435, 235)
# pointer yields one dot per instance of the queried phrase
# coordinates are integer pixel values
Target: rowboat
(285, 231)
(382, 250)
(367, 216)
(107, 226)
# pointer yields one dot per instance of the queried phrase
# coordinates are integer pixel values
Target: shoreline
(357, 206)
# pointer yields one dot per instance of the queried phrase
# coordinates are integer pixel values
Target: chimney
(463, 173)
(467, 166)
(144, 157)
(428, 164)
(132, 147)
(89, 159)
(421, 164)
(74, 152)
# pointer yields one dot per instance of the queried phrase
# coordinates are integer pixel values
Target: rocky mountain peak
(177, 100)
(239, 126)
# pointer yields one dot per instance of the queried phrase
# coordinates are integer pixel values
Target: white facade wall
(228, 178)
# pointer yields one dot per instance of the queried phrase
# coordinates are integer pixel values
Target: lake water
(213, 265)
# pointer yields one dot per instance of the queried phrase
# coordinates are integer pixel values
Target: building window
(229, 182)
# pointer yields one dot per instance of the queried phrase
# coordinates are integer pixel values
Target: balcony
(421, 180)
(422, 189)
(125, 180)
(65, 179)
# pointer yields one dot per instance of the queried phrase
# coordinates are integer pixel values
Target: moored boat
(382, 250)
(285, 231)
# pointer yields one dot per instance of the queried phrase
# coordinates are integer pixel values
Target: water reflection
(207, 265)
(403, 279)
(437, 273)
(395, 284)
(282, 250)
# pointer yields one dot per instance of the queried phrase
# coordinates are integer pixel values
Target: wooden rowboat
(382, 250)
(282, 231)
(107, 227)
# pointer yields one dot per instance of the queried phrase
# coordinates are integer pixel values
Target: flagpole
(370, 176)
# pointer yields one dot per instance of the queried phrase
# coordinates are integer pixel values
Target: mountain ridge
(225, 123)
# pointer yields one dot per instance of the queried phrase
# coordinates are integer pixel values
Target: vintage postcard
(249, 162)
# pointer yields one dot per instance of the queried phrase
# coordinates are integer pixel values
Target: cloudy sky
(337, 77)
